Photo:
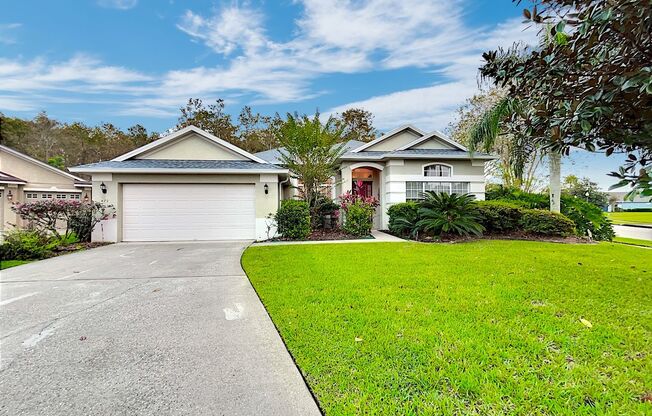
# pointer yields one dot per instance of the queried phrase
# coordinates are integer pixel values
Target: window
(74, 196)
(413, 190)
(437, 170)
(61, 196)
(46, 196)
(31, 196)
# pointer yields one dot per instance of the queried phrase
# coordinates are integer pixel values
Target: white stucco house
(191, 185)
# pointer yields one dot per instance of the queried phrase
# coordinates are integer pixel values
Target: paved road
(142, 329)
(641, 233)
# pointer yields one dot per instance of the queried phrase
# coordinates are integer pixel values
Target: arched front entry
(366, 180)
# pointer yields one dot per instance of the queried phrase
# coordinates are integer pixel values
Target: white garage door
(179, 212)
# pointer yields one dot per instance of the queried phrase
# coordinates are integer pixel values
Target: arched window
(437, 170)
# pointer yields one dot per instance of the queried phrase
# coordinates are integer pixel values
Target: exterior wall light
(86, 198)
(10, 196)
(266, 188)
(103, 187)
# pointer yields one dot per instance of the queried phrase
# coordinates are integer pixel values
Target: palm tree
(486, 131)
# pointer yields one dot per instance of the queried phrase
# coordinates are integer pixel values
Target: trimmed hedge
(499, 217)
(358, 219)
(540, 222)
(293, 219)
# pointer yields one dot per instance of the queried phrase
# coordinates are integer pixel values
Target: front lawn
(5, 264)
(630, 217)
(490, 327)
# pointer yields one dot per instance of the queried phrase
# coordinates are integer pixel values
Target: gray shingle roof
(5, 177)
(416, 153)
(274, 155)
(179, 164)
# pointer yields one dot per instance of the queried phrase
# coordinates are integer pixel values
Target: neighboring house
(24, 179)
(403, 163)
(191, 185)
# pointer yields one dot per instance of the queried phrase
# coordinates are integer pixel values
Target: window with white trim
(414, 190)
(46, 196)
(74, 196)
(437, 170)
(61, 196)
(31, 196)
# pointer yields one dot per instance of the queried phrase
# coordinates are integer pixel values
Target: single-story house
(24, 179)
(403, 163)
(191, 185)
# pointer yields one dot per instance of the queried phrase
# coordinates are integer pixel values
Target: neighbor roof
(274, 155)
(39, 163)
(166, 139)
(416, 154)
(183, 166)
(7, 178)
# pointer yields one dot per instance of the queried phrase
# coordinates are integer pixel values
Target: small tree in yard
(52, 216)
(312, 150)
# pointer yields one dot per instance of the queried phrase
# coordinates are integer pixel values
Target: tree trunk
(555, 181)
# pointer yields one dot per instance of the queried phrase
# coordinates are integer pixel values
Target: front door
(363, 188)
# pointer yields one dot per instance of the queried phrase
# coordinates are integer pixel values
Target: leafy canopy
(589, 84)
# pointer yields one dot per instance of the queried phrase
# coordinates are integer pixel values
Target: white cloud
(118, 4)
(330, 37)
(7, 32)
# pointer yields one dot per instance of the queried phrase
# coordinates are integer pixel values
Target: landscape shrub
(589, 219)
(442, 213)
(499, 217)
(359, 219)
(358, 213)
(293, 219)
(402, 217)
(326, 213)
(29, 244)
(86, 216)
(542, 222)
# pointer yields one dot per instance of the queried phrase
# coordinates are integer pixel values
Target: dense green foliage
(26, 244)
(499, 217)
(482, 328)
(358, 218)
(586, 189)
(443, 214)
(403, 218)
(69, 144)
(293, 219)
(589, 84)
(541, 222)
(588, 218)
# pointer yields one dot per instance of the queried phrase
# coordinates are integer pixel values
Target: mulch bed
(511, 236)
(325, 235)
(76, 247)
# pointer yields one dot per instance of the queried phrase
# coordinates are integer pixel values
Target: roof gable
(190, 143)
(392, 139)
(48, 170)
(434, 140)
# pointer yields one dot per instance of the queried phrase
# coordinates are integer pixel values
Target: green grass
(633, 241)
(630, 217)
(5, 264)
(490, 327)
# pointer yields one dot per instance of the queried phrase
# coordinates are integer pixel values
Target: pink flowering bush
(53, 215)
(358, 213)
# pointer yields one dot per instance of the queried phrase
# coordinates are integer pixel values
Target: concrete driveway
(146, 329)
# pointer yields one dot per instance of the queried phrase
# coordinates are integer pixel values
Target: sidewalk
(379, 237)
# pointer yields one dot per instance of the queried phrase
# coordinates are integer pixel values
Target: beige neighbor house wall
(41, 180)
(191, 147)
(111, 229)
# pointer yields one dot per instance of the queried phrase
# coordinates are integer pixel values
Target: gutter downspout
(280, 190)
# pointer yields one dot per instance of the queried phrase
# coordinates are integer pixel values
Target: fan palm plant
(442, 213)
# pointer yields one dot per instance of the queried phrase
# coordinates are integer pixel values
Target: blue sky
(138, 61)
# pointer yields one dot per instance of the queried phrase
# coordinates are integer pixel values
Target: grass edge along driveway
(488, 327)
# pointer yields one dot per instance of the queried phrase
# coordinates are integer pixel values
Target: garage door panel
(169, 212)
